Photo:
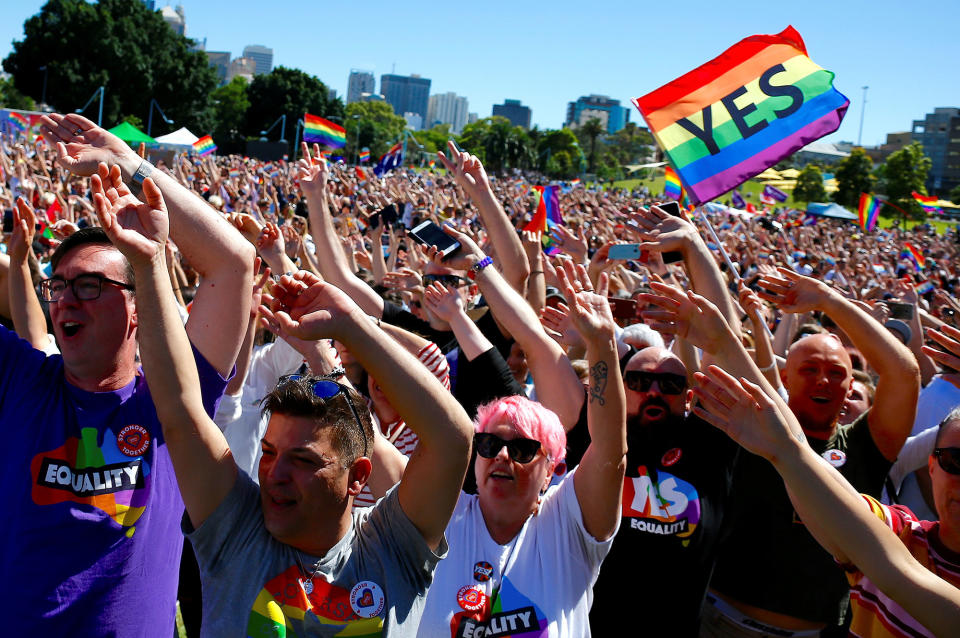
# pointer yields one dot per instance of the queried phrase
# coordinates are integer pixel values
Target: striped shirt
(876, 615)
(402, 437)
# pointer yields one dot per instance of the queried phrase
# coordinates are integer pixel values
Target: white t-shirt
(539, 584)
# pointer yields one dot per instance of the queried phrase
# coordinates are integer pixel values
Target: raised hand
(792, 292)
(662, 232)
(24, 228)
(403, 279)
(304, 306)
(291, 240)
(138, 229)
(687, 315)
(744, 412)
(442, 301)
(561, 326)
(312, 171)
(248, 226)
(270, 242)
(590, 311)
(466, 169)
(573, 245)
(464, 259)
(82, 145)
(948, 353)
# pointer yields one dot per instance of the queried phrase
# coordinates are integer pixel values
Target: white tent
(181, 137)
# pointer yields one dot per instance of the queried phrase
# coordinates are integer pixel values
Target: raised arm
(25, 309)
(839, 518)
(201, 459)
(599, 477)
(898, 386)
(311, 309)
(218, 317)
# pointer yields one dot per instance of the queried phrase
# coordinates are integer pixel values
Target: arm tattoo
(598, 373)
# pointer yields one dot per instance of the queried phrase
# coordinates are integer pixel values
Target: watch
(477, 267)
(143, 172)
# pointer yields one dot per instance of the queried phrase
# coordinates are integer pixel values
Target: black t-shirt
(676, 487)
(769, 559)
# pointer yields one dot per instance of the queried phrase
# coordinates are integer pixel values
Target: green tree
(379, 127)
(810, 185)
(630, 145)
(498, 144)
(11, 98)
(906, 171)
(117, 44)
(558, 153)
(955, 194)
(591, 130)
(291, 92)
(853, 177)
(230, 104)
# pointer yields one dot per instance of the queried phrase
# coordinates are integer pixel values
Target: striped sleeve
(436, 363)
(897, 517)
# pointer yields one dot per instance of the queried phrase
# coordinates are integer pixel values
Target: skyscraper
(406, 94)
(220, 60)
(175, 18)
(939, 132)
(518, 114)
(613, 116)
(447, 108)
(359, 82)
(262, 57)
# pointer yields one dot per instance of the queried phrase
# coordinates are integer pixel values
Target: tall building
(175, 18)
(447, 108)
(261, 56)
(241, 67)
(151, 5)
(359, 82)
(518, 114)
(939, 132)
(220, 61)
(613, 116)
(406, 94)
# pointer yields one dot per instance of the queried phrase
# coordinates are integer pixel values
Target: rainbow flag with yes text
(316, 129)
(740, 113)
(204, 146)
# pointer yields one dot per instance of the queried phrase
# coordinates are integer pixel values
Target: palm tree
(592, 129)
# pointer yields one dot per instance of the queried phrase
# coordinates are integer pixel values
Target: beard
(654, 411)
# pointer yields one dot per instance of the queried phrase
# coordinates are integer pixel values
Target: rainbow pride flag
(672, 187)
(869, 211)
(364, 155)
(914, 255)
(927, 202)
(740, 113)
(19, 121)
(204, 146)
(316, 129)
(546, 216)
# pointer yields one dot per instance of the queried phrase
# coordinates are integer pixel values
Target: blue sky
(549, 53)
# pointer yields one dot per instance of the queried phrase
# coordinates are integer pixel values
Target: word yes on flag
(740, 113)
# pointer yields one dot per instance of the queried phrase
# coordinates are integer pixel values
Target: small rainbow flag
(19, 121)
(672, 187)
(927, 202)
(364, 155)
(575, 182)
(913, 255)
(924, 287)
(204, 146)
(740, 113)
(316, 129)
(869, 211)
(234, 172)
(546, 216)
(432, 164)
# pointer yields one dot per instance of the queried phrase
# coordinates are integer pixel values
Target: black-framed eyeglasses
(327, 389)
(453, 281)
(640, 381)
(948, 458)
(85, 287)
(520, 450)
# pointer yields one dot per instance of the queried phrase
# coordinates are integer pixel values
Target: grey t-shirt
(373, 582)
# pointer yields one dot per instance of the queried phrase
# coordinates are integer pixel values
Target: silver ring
(79, 131)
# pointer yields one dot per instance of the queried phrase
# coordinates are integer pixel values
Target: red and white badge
(133, 440)
(471, 598)
(367, 599)
(671, 456)
(836, 458)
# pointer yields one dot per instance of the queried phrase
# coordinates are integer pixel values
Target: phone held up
(429, 234)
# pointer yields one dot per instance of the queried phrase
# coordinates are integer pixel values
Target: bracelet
(770, 367)
(477, 267)
(136, 180)
(375, 320)
(336, 373)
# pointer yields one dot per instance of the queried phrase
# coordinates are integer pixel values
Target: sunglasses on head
(520, 450)
(327, 389)
(948, 458)
(453, 281)
(640, 381)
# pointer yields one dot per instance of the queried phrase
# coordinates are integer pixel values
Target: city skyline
(619, 52)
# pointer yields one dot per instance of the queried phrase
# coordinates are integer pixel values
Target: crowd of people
(247, 387)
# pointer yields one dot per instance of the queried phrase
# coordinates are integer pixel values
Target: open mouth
(70, 328)
(821, 400)
(501, 476)
(654, 412)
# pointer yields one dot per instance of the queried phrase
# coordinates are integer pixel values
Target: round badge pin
(482, 571)
(671, 456)
(836, 458)
(367, 599)
(307, 584)
(471, 598)
(133, 440)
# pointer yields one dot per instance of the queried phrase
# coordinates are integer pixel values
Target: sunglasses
(326, 389)
(640, 381)
(520, 450)
(948, 458)
(453, 281)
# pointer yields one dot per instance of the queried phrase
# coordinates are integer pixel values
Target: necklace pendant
(307, 585)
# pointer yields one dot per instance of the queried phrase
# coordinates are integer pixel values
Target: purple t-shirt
(90, 542)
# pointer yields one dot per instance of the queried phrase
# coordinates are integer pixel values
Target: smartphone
(8, 221)
(429, 234)
(900, 310)
(387, 214)
(671, 208)
(623, 308)
(627, 251)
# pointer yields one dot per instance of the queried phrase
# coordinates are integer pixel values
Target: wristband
(136, 181)
(477, 267)
(770, 367)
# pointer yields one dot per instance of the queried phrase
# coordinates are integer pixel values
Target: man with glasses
(96, 507)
